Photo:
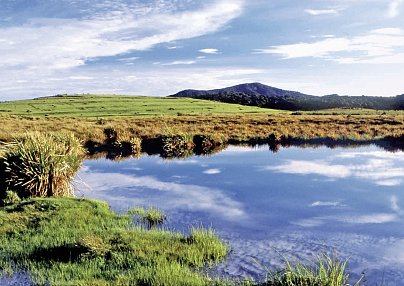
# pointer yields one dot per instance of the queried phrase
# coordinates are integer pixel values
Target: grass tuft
(151, 217)
(326, 270)
(40, 165)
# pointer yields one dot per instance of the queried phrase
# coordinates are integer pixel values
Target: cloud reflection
(326, 204)
(212, 171)
(376, 218)
(381, 168)
(309, 167)
(167, 195)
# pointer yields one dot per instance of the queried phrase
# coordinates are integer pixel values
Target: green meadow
(114, 105)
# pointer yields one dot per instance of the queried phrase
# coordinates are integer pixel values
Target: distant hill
(257, 94)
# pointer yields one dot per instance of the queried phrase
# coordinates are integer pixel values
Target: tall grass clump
(177, 145)
(207, 143)
(136, 145)
(151, 217)
(40, 165)
(208, 243)
(325, 270)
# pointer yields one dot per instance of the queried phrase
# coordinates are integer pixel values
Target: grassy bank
(235, 126)
(82, 242)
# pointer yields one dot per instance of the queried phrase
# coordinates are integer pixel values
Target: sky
(156, 47)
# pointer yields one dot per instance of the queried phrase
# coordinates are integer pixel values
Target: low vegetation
(326, 270)
(151, 217)
(105, 106)
(40, 165)
(82, 242)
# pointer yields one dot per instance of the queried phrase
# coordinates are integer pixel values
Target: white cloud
(80, 77)
(373, 154)
(315, 12)
(369, 219)
(380, 46)
(389, 183)
(65, 43)
(379, 167)
(212, 171)
(309, 167)
(209, 51)
(325, 204)
(173, 63)
(376, 218)
(145, 81)
(309, 222)
(167, 195)
(394, 8)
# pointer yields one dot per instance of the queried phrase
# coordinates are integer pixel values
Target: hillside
(257, 94)
(119, 105)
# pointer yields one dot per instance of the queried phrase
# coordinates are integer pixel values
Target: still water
(296, 202)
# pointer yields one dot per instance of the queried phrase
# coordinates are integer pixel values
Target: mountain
(257, 94)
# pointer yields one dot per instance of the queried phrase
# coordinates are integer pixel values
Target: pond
(296, 202)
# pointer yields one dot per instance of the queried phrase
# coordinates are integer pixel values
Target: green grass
(151, 217)
(114, 105)
(325, 270)
(65, 241)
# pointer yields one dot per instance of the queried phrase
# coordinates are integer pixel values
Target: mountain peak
(254, 88)
(258, 94)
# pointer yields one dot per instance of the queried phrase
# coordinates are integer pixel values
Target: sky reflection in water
(296, 201)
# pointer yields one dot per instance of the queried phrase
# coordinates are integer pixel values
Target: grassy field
(87, 116)
(112, 106)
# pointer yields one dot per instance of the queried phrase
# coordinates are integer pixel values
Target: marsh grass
(151, 216)
(325, 270)
(40, 165)
(136, 145)
(66, 241)
(177, 145)
(205, 239)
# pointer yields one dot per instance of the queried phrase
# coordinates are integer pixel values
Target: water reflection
(147, 190)
(296, 201)
(154, 146)
(378, 167)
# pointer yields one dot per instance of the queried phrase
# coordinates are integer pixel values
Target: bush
(41, 165)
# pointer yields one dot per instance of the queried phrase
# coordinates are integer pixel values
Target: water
(296, 202)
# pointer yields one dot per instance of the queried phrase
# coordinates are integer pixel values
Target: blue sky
(158, 47)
